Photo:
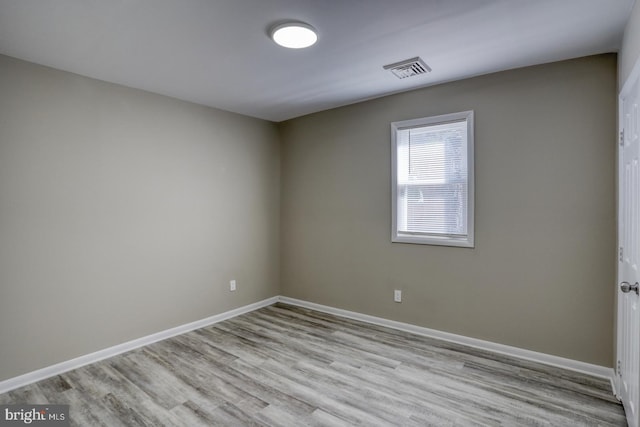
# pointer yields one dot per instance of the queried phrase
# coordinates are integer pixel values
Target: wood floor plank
(290, 366)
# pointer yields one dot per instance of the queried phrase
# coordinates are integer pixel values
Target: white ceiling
(218, 53)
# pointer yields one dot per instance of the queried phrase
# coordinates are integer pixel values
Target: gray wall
(540, 275)
(630, 51)
(124, 213)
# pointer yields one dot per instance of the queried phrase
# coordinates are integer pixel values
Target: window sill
(466, 242)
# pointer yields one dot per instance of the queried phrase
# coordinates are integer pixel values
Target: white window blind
(433, 180)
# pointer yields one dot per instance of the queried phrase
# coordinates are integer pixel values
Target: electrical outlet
(232, 285)
(397, 295)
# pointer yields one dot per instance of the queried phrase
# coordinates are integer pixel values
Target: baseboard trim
(547, 359)
(59, 368)
(520, 353)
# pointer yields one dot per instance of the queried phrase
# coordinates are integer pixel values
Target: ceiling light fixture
(294, 35)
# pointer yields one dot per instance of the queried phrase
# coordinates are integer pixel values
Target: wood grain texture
(289, 366)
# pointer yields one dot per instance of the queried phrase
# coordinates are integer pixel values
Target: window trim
(466, 241)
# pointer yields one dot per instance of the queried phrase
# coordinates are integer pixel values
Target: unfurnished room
(319, 213)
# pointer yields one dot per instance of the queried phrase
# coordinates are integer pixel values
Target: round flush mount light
(294, 35)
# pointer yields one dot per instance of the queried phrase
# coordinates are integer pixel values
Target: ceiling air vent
(408, 68)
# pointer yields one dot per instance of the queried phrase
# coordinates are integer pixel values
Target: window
(432, 180)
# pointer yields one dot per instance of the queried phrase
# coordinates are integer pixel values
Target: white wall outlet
(397, 295)
(232, 285)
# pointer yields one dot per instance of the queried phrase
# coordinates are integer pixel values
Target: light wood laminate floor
(288, 366)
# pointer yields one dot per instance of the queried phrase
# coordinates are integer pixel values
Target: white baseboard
(547, 359)
(59, 368)
(534, 356)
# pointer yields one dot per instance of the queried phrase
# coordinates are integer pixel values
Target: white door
(628, 352)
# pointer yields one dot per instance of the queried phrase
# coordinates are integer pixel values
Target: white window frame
(442, 240)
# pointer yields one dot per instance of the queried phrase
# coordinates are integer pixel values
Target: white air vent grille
(408, 68)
